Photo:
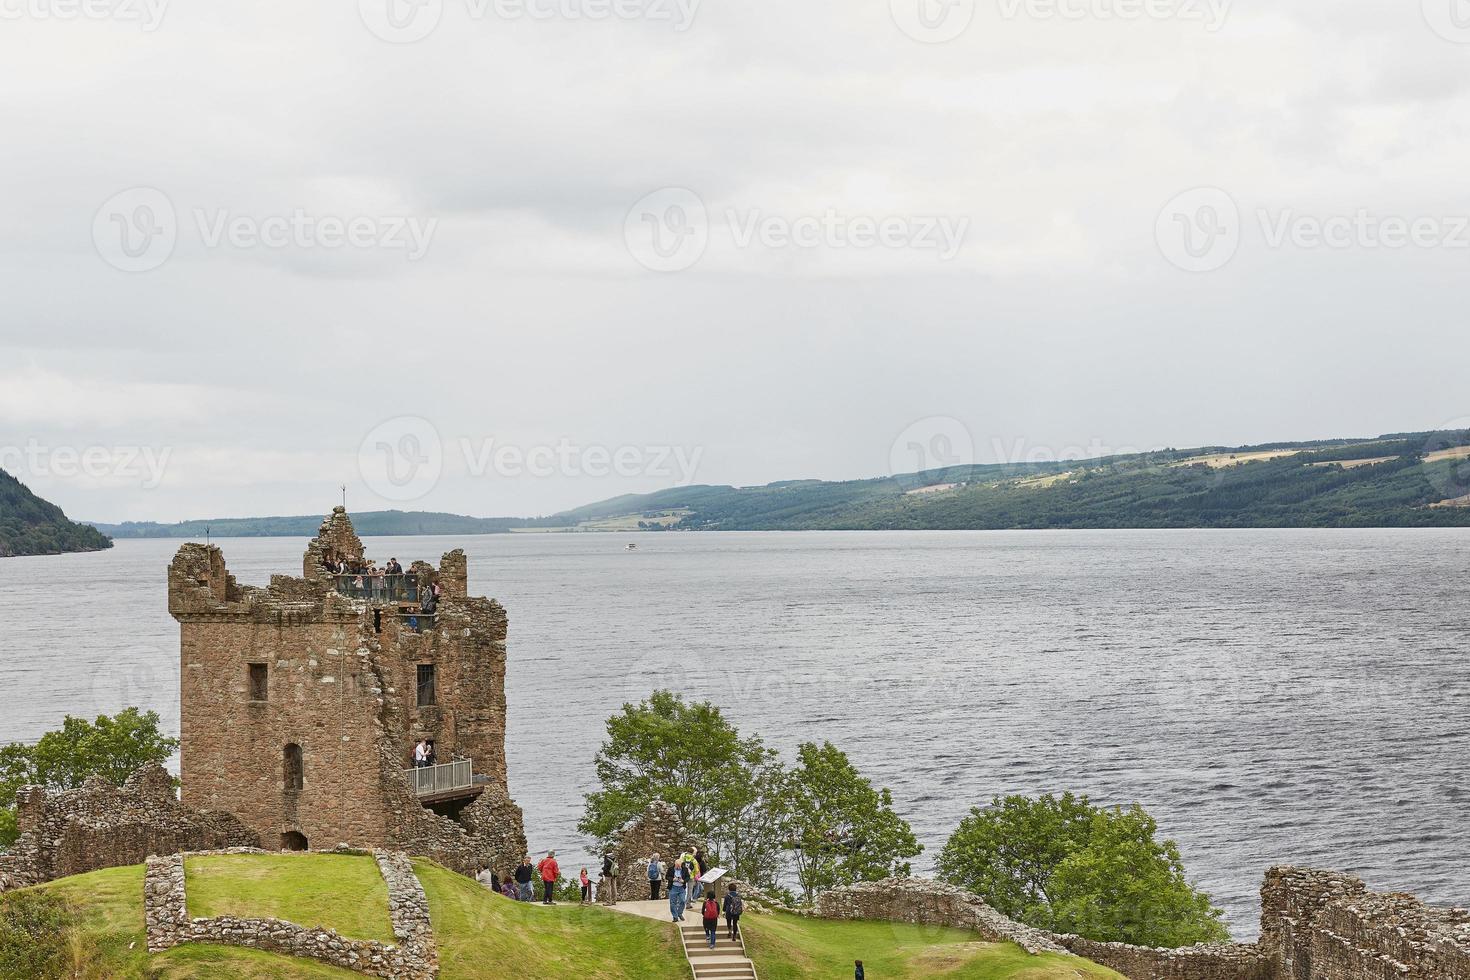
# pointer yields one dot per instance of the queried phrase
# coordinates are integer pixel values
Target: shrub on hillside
(1061, 863)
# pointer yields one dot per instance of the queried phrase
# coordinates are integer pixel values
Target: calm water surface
(1270, 696)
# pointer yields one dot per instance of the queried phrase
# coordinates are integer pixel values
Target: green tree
(1061, 863)
(840, 828)
(111, 747)
(689, 756)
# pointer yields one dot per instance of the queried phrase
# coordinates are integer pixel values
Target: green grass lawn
(785, 947)
(480, 934)
(484, 935)
(345, 892)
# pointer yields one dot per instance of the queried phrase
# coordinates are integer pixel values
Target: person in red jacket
(550, 872)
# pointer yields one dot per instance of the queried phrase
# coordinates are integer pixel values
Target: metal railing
(379, 588)
(445, 778)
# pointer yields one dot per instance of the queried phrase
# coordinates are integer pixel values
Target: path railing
(379, 588)
(445, 778)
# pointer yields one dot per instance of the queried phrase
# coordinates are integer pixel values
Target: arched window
(293, 769)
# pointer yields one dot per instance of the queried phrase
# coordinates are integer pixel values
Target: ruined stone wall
(930, 903)
(657, 831)
(412, 956)
(102, 826)
(1315, 925)
(1326, 926)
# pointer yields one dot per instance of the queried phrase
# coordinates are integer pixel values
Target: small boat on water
(632, 546)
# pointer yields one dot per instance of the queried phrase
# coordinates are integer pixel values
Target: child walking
(586, 887)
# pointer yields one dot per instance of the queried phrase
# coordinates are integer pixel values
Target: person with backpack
(695, 864)
(710, 914)
(857, 971)
(734, 906)
(550, 873)
(607, 885)
(655, 875)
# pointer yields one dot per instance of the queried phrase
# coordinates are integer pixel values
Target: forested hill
(1405, 480)
(31, 526)
(370, 523)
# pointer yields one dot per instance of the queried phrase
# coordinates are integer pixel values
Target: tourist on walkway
(857, 972)
(734, 906)
(710, 914)
(695, 864)
(420, 754)
(508, 885)
(431, 757)
(586, 887)
(655, 875)
(678, 879)
(607, 885)
(550, 872)
(524, 873)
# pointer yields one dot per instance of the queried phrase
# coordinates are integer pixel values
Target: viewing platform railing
(379, 588)
(445, 778)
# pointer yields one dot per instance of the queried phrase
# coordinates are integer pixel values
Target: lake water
(1269, 696)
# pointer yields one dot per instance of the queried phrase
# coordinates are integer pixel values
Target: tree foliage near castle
(112, 747)
(32, 526)
(842, 829)
(1061, 863)
(818, 825)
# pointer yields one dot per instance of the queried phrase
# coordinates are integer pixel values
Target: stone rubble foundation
(413, 957)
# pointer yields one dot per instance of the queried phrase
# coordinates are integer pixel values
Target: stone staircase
(727, 961)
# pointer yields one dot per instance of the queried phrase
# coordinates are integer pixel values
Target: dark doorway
(293, 841)
(293, 769)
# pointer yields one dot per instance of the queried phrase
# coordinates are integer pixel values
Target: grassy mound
(785, 947)
(330, 891)
(481, 934)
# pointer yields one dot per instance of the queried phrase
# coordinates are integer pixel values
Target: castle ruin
(301, 704)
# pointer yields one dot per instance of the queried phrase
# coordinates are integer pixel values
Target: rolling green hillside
(1410, 480)
(384, 523)
(31, 526)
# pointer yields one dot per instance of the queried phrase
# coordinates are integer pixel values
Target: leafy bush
(1061, 863)
(35, 935)
(110, 747)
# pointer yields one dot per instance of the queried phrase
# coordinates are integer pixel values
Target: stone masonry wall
(930, 903)
(342, 685)
(413, 956)
(102, 826)
(1326, 926)
(657, 831)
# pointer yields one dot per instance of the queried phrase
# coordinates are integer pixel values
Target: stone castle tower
(301, 704)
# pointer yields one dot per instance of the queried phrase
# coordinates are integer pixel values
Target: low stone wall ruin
(1315, 925)
(657, 831)
(413, 957)
(99, 825)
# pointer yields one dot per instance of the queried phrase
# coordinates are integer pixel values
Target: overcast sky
(503, 258)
